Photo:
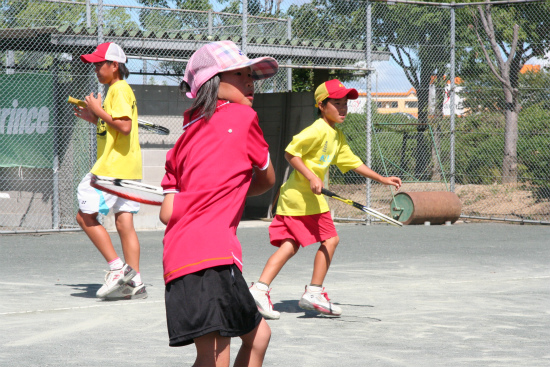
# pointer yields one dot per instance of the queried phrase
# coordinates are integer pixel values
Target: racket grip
(77, 102)
(328, 192)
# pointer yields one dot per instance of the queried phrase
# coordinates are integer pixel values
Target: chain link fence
(475, 119)
(453, 96)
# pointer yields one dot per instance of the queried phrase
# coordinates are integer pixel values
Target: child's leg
(314, 298)
(322, 261)
(260, 290)
(254, 346)
(97, 234)
(128, 237)
(276, 262)
(212, 350)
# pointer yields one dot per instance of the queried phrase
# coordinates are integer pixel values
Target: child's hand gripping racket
(128, 189)
(149, 126)
(367, 210)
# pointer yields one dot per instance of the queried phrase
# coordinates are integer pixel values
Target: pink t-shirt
(210, 169)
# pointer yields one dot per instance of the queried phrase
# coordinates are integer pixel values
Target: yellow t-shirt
(319, 146)
(118, 155)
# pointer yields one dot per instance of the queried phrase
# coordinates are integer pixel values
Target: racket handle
(77, 102)
(328, 192)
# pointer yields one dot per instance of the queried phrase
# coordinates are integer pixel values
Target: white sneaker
(263, 301)
(114, 279)
(128, 291)
(319, 301)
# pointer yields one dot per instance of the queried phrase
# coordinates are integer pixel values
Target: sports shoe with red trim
(319, 301)
(128, 291)
(114, 279)
(263, 302)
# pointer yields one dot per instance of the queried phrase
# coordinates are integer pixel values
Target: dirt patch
(488, 201)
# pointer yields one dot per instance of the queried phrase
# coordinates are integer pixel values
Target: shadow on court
(464, 295)
(85, 290)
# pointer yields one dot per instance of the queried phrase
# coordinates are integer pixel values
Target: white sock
(116, 264)
(314, 289)
(262, 286)
(137, 279)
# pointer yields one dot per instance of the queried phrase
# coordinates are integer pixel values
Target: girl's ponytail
(207, 97)
(123, 71)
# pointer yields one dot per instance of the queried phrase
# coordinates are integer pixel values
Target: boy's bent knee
(290, 247)
(331, 242)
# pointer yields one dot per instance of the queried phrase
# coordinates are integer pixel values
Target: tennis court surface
(475, 294)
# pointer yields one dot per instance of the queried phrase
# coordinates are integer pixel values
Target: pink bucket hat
(217, 57)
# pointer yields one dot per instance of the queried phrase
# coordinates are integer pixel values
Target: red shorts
(304, 230)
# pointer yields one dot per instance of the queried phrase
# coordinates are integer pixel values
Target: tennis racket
(128, 189)
(367, 210)
(146, 125)
(149, 126)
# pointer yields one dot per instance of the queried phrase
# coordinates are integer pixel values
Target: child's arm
(122, 124)
(261, 180)
(166, 208)
(368, 173)
(315, 183)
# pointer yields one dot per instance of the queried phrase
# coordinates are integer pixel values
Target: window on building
(393, 104)
(411, 104)
(379, 105)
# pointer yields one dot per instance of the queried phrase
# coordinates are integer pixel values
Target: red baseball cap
(108, 51)
(334, 89)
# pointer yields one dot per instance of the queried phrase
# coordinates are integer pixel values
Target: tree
(18, 14)
(167, 20)
(418, 38)
(514, 34)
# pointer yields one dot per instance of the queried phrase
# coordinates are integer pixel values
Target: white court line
(107, 304)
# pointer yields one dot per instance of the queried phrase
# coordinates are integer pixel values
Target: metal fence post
(368, 110)
(88, 14)
(452, 100)
(144, 72)
(56, 143)
(245, 26)
(100, 38)
(210, 22)
(10, 62)
(100, 88)
(99, 21)
(289, 70)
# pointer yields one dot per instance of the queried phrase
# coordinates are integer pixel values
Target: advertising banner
(26, 128)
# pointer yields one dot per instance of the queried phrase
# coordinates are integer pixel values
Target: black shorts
(214, 299)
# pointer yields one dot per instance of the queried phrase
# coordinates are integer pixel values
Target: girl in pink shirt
(220, 158)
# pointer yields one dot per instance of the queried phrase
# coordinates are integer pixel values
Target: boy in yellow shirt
(303, 216)
(118, 156)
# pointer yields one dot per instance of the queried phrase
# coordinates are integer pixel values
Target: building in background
(407, 102)
(386, 103)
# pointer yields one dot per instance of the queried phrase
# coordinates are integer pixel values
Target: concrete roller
(436, 207)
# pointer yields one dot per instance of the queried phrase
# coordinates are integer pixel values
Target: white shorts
(92, 200)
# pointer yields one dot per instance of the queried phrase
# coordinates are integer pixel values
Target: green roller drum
(436, 207)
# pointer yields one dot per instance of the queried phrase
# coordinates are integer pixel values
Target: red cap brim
(341, 93)
(91, 58)
(351, 93)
